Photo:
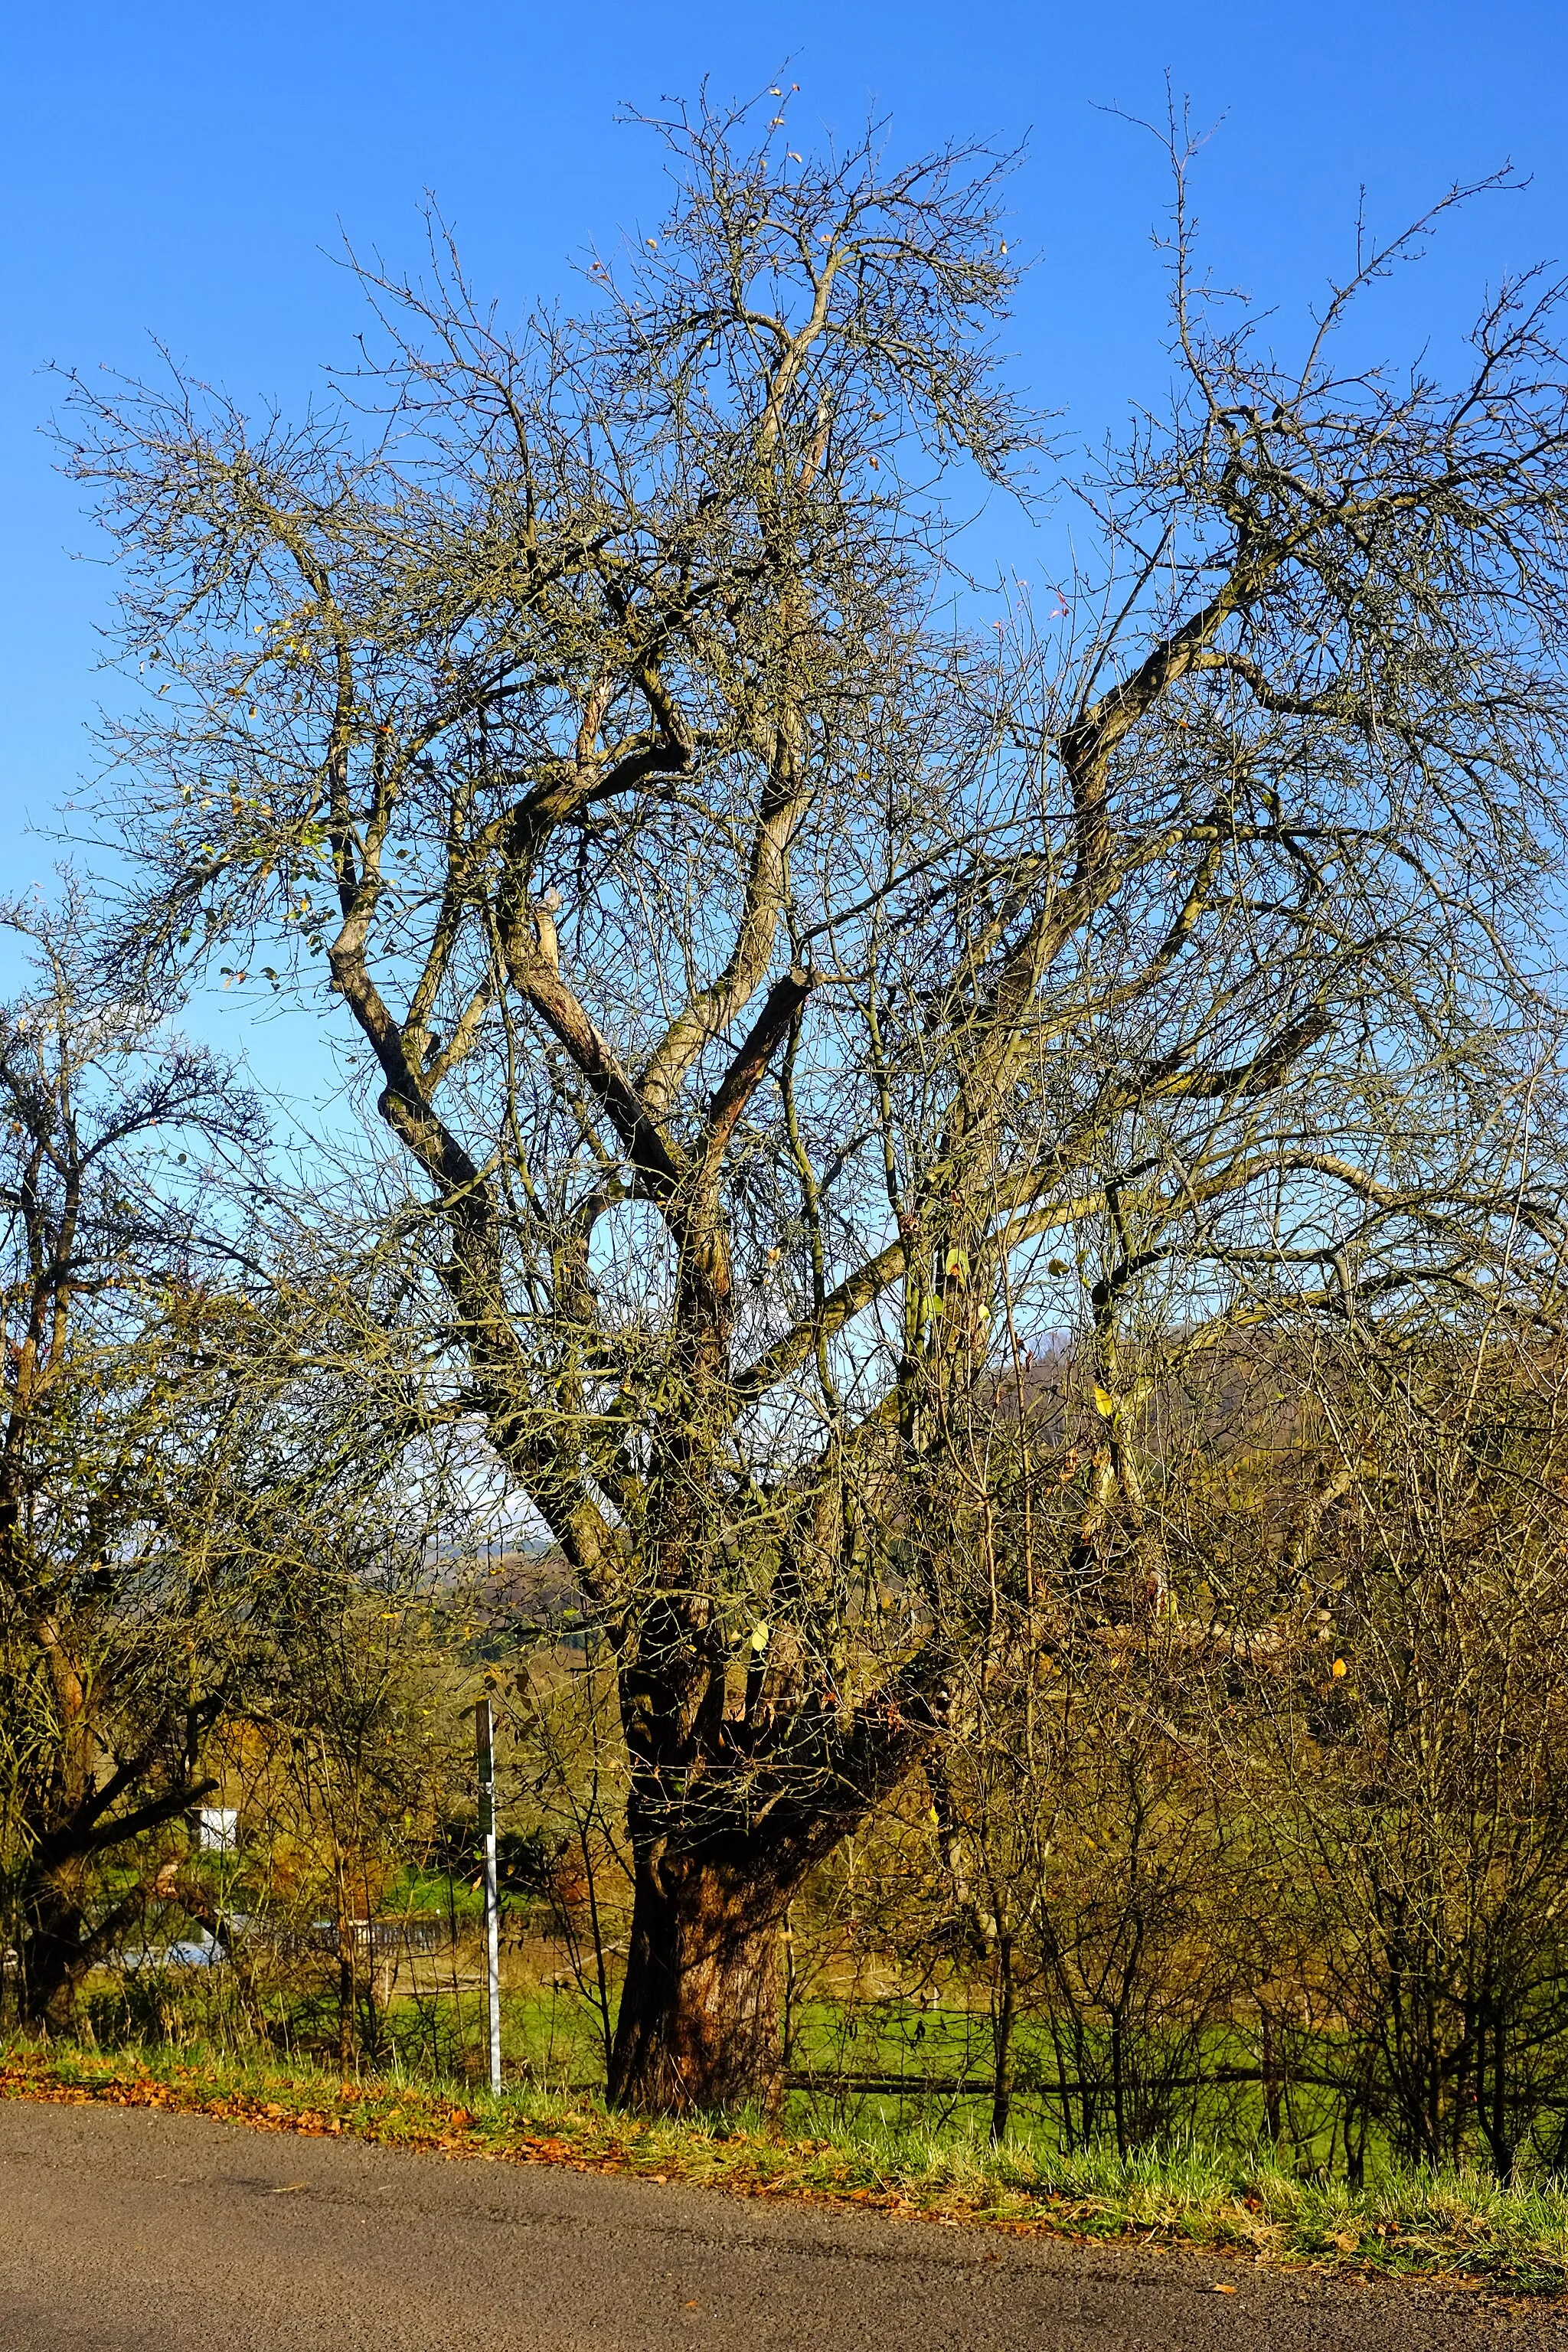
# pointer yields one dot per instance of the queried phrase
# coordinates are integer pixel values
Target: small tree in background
(194, 1538)
(121, 1619)
(1413, 1778)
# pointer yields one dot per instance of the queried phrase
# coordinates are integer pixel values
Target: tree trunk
(345, 1995)
(57, 1946)
(1002, 2017)
(1272, 2101)
(50, 1954)
(698, 2023)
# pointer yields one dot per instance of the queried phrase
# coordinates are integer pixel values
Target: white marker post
(484, 1748)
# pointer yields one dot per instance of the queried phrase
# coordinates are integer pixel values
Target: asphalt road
(122, 2231)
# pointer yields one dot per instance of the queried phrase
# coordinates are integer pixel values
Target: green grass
(887, 2064)
(1453, 2224)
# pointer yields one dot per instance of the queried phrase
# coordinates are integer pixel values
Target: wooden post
(484, 1748)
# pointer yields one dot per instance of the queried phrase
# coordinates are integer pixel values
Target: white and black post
(484, 1748)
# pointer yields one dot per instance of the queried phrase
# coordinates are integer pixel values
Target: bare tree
(1415, 1799)
(117, 1642)
(768, 946)
(189, 1530)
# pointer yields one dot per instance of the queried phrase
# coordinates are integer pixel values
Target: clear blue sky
(179, 171)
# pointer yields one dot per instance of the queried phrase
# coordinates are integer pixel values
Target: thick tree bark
(58, 1946)
(699, 2022)
(51, 1952)
(728, 1816)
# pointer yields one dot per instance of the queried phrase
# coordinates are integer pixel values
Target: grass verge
(1456, 2226)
